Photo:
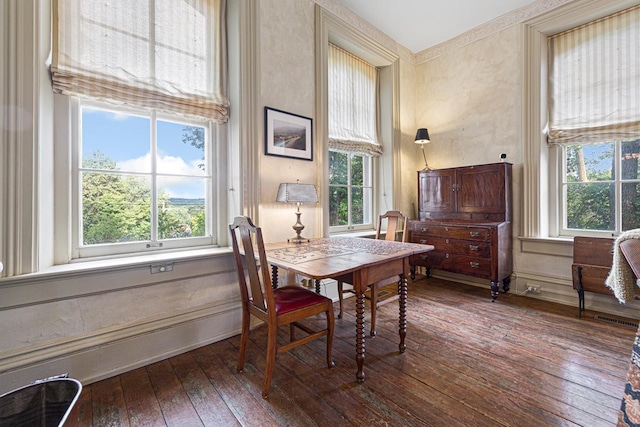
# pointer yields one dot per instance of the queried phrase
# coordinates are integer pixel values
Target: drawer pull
(446, 228)
(474, 233)
(423, 256)
(446, 256)
(474, 264)
(423, 229)
(446, 240)
(473, 247)
(423, 241)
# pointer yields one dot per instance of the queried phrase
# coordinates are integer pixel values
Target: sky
(125, 139)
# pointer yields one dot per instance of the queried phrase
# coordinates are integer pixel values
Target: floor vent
(615, 320)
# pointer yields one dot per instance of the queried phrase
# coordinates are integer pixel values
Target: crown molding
(507, 20)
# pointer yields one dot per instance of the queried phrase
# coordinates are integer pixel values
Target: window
(147, 87)
(350, 190)
(144, 181)
(594, 123)
(353, 140)
(601, 187)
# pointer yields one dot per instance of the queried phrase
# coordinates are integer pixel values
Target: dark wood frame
(274, 118)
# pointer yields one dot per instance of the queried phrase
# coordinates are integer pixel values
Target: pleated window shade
(169, 55)
(353, 104)
(594, 81)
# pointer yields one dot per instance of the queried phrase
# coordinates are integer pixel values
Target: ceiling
(421, 24)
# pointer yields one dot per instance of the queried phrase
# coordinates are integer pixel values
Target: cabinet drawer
(440, 260)
(457, 246)
(456, 232)
(479, 267)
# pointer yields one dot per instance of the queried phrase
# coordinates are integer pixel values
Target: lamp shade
(422, 136)
(297, 193)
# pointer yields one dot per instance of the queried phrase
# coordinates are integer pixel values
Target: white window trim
(541, 180)
(387, 172)
(138, 248)
(358, 227)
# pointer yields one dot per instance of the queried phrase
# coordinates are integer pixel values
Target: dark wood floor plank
(212, 410)
(232, 387)
(172, 398)
(469, 362)
(333, 385)
(142, 404)
(108, 406)
(85, 412)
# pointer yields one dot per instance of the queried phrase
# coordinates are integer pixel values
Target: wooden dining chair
(396, 221)
(276, 307)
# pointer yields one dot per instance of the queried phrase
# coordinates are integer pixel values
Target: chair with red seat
(276, 307)
(396, 221)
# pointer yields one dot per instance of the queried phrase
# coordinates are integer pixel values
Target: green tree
(194, 136)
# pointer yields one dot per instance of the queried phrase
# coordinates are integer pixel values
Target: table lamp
(297, 193)
(422, 137)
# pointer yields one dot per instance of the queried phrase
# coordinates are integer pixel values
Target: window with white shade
(353, 139)
(146, 88)
(594, 123)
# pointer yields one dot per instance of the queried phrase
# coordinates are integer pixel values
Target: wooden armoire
(465, 213)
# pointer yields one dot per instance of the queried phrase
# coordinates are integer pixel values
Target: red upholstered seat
(291, 298)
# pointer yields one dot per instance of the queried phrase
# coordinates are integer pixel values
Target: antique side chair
(276, 307)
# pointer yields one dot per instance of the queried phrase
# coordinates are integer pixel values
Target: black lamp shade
(422, 136)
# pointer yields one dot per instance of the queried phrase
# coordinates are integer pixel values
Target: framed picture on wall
(287, 135)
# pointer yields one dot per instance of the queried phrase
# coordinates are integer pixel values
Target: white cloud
(176, 186)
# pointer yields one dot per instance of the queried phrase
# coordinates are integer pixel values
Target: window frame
(141, 247)
(618, 181)
(371, 205)
(541, 165)
(388, 171)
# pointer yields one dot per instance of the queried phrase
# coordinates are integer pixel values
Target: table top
(336, 256)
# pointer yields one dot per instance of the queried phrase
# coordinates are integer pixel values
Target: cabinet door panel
(481, 189)
(436, 191)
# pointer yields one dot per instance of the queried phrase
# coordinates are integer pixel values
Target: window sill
(558, 246)
(366, 233)
(93, 266)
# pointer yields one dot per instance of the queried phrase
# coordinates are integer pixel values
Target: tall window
(148, 80)
(353, 139)
(594, 116)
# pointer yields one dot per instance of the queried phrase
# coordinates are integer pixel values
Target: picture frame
(288, 135)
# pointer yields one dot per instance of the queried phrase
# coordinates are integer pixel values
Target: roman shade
(353, 104)
(594, 81)
(169, 55)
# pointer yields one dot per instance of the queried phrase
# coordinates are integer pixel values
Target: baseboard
(108, 353)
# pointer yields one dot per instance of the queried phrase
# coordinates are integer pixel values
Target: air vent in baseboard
(615, 320)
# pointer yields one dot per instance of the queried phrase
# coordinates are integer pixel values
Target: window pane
(181, 207)
(630, 151)
(357, 173)
(115, 137)
(338, 172)
(115, 208)
(591, 206)
(180, 149)
(590, 162)
(630, 205)
(357, 206)
(338, 206)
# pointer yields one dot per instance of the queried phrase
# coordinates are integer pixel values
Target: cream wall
(94, 320)
(471, 100)
(101, 319)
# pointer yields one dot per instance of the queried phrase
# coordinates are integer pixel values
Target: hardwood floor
(469, 362)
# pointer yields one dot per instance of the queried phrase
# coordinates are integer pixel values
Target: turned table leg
(402, 323)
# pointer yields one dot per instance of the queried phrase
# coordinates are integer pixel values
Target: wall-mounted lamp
(297, 193)
(422, 137)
